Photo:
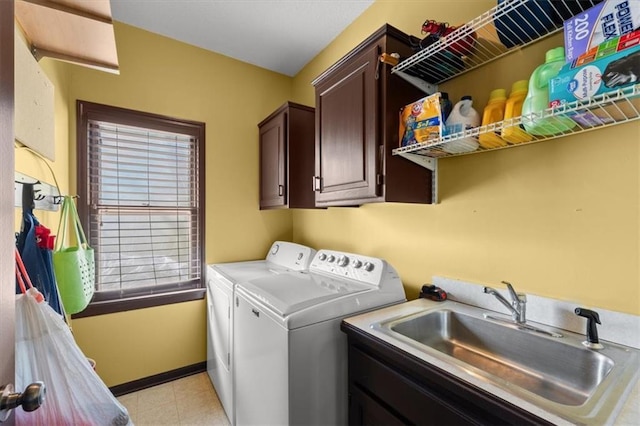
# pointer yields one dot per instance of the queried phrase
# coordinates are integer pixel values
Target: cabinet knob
(280, 190)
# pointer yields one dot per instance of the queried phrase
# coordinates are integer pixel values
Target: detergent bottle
(445, 106)
(513, 108)
(493, 112)
(537, 99)
(462, 117)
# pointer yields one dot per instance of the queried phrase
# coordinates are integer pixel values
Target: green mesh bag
(74, 265)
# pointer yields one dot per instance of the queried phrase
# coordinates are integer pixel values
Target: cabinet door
(347, 131)
(413, 402)
(272, 162)
(365, 411)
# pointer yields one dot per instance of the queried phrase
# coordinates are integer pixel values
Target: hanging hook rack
(31, 193)
(48, 197)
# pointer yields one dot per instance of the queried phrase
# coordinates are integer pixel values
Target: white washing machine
(290, 355)
(222, 279)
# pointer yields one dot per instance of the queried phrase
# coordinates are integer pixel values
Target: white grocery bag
(46, 351)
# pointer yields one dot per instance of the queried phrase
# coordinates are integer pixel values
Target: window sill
(140, 302)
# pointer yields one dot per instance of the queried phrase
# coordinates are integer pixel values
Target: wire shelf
(615, 107)
(507, 27)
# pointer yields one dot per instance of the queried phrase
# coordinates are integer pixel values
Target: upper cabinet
(286, 158)
(357, 114)
(77, 31)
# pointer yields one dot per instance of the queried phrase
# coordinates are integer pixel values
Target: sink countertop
(629, 413)
(617, 327)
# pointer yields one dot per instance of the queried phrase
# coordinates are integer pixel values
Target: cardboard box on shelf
(598, 24)
(608, 48)
(610, 66)
(421, 121)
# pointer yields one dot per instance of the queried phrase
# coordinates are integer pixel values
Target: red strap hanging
(22, 277)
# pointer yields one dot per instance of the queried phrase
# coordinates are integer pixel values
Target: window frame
(106, 303)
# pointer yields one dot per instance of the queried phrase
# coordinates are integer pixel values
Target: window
(141, 187)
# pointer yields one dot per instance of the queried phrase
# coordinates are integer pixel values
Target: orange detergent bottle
(493, 112)
(513, 108)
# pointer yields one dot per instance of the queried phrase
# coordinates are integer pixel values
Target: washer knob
(343, 260)
(275, 248)
(322, 257)
(331, 258)
(368, 266)
(357, 264)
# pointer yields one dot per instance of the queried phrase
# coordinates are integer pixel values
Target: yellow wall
(559, 218)
(141, 343)
(167, 77)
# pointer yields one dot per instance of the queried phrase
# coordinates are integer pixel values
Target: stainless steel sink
(559, 375)
(558, 372)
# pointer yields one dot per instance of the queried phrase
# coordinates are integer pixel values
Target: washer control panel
(290, 255)
(365, 269)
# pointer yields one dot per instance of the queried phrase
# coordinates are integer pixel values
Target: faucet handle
(516, 297)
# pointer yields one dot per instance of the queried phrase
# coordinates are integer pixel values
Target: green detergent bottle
(537, 99)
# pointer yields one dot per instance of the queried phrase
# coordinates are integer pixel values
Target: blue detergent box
(598, 24)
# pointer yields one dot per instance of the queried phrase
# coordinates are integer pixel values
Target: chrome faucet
(518, 305)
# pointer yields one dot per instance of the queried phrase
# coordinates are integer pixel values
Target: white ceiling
(279, 35)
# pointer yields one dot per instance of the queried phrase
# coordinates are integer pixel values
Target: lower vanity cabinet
(388, 386)
(287, 158)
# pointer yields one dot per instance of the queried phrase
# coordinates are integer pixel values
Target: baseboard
(158, 379)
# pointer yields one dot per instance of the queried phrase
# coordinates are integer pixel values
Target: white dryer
(222, 279)
(290, 355)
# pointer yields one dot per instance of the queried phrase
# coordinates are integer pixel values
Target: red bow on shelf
(464, 46)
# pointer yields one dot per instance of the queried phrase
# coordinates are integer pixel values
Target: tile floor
(187, 401)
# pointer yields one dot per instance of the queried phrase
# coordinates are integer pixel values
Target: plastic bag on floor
(46, 351)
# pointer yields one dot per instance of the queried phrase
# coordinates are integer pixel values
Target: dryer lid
(294, 291)
(237, 272)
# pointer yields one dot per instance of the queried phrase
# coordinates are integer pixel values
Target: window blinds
(143, 207)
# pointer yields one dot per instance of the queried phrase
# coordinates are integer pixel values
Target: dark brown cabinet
(287, 157)
(389, 386)
(358, 102)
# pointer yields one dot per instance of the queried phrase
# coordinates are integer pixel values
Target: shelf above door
(76, 31)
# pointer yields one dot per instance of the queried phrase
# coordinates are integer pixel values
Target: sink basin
(558, 372)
